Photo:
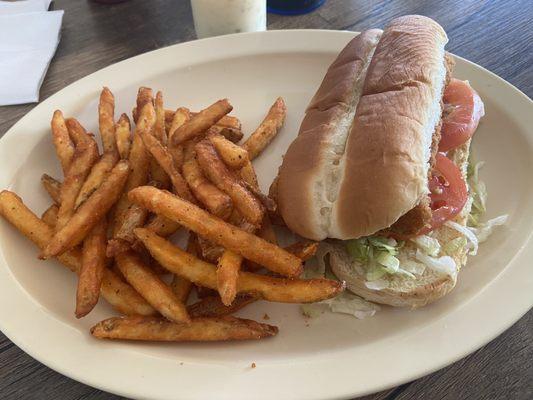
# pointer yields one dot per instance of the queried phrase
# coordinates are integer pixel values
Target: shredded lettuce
(344, 303)
(478, 191)
(484, 229)
(429, 245)
(444, 265)
(454, 245)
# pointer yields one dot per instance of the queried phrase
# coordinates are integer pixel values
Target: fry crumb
(253, 365)
(266, 317)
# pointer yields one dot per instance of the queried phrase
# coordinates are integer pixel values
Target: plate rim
(78, 374)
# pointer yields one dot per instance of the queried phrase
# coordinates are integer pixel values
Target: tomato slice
(462, 110)
(448, 192)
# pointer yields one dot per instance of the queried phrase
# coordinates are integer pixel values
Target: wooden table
(494, 34)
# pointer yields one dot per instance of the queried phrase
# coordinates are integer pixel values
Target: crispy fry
(139, 160)
(123, 136)
(201, 122)
(200, 329)
(303, 250)
(217, 231)
(50, 215)
(106, 121)
(209, 251)
(162, 226)
(99, 172)
(153, 289)
(232, 134)
(89, 213)
(268, 129)
(62, 142)
(119, 294)
(144, 96)
(93, 264)
(269, 204)
(268, 288)
(212, 306)
(225, 180)
(228, 121)
(265, 232)
(215, 200)
(181, 116)
(52, 186)
(233, 156)
(273, 195)
(229, 265)
(157, 172)
(181, 286)
(84, 158)
(163, 157)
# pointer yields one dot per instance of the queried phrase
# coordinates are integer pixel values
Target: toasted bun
(406, 292)
(361, 158)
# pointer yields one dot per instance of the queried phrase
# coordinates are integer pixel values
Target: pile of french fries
(113, 213)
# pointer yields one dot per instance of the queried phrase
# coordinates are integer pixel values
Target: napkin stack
(29, 35)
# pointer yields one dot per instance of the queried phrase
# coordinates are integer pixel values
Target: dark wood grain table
(494, 34)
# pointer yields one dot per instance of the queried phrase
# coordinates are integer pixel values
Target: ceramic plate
(333, 356)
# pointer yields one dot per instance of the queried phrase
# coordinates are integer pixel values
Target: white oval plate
(334, 356)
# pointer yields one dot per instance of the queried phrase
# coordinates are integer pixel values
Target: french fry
(228, 121)
(229, 265)
(212, 306)
(215, 200)
(180, 286)
(52, 186)
(303, 250)
(164, 159)
(89, 213)
(99, 172)
(225, 180)
(119, 294)
(49, 216)
(181, 116)
(268, 129)
(163, 226)
(265, 232)
(145, 95)
(157, 172)
(123, 136)
(201, 122)
(84, 158)
(268, 288)
(232, 134)
(217, 230)
(209, 251)
(153, 289)
(63, 145)
(106, 121)
(233, 156)
(273, 195)
(200, 329)
(93, 264)
(139, 160)
(269, 204)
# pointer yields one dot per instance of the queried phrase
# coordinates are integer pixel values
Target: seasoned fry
(233, 156)
(200, 329)
(265, 232)
(217, 231)
(212, 306)
(153, 289)
(119, 294)
(201, 122)
(303, 250)
(93, 264)
(209, 251)
(181, 116)
(123, 136)
(228, 269)
(99, 172)
(139, 160)
(218, 173)
(164, 159)
(232, 134)
(268, 129)
(52, 186)
(269, 204)
(157, 172)
(181, 286)
(89, 213)
(106, 121)
(228, 121)
(144, 96)
(268, 288)
(162, 226)
(62, 142)
(49, 216)
(84, 158)
(215, 200)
